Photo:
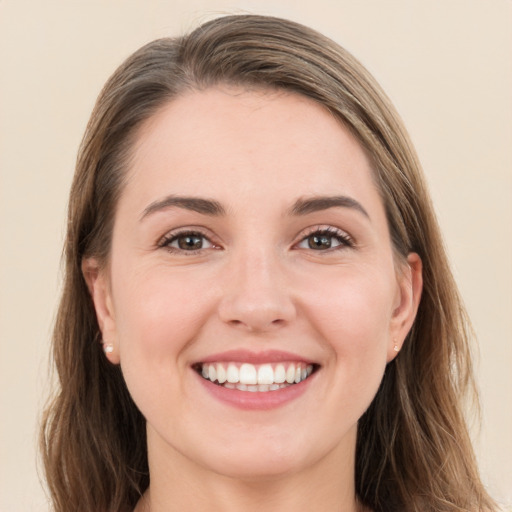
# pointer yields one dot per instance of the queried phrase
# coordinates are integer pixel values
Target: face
(251, 295)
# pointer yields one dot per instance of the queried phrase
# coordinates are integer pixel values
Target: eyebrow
(302, 206)
(305, 206)
(196, 204)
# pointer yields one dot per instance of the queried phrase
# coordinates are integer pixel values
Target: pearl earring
(108, 348)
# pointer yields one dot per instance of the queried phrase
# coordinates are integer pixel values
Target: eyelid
(347, 240)
(164, 241)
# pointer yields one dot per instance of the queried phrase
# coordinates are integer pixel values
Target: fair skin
(259, 272)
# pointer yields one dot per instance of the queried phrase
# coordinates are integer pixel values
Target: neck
(179, 485)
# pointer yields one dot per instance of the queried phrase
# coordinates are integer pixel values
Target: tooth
(221, 374)
(279, 374)
(248, 374)
(265, 374)
(232, 374)
(249, 377)
(290, 374)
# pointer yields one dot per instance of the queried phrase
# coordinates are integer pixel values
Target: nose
(255, 295)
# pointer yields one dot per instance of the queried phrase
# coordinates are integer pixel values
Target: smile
(255, 377)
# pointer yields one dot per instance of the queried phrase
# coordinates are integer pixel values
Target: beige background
(447, 65)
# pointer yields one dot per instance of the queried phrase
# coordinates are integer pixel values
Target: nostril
(255, 326)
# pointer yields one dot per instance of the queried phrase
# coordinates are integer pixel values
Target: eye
(325, 239)
(189, 241)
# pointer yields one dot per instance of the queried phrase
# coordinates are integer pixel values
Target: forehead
(244, 144)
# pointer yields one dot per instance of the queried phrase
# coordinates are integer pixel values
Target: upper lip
(262, 357)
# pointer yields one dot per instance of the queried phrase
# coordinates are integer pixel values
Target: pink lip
(255, 400)
(246, 356)
(248, 400)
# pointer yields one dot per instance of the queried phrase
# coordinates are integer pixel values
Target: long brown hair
(413, 449)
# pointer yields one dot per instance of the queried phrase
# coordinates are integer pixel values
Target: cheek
(354, 309)
(158, 314)
(354, 318)
(157, 318)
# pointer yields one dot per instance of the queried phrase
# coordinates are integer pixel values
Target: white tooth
(212, 373)
(204, 371)
(229, 385)
(263, 387)
(274, 387)
(297, 374)
(303, 374)
(290, 374)
(232, 374)
(221, 374)
(309, 369)
(248, 374)
(279, 374)
(241, 387)
(265, 374)
(252, 389)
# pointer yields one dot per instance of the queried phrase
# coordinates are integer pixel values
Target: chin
(258, 467)
(264, 457)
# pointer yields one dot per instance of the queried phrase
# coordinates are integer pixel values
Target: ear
(99, 288)
(410, 286)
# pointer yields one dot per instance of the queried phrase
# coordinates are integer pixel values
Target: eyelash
(168, 239)
(345, 241)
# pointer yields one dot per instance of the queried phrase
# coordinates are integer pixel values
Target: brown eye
(325, 240)
(190, 242)
(187, 242)
(319, 242)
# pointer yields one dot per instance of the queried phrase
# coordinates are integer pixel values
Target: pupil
(319, 242)
(190, 242)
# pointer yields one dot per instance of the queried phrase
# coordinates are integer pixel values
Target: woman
(258, 310)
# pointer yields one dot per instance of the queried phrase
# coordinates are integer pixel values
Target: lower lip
(254, 400)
